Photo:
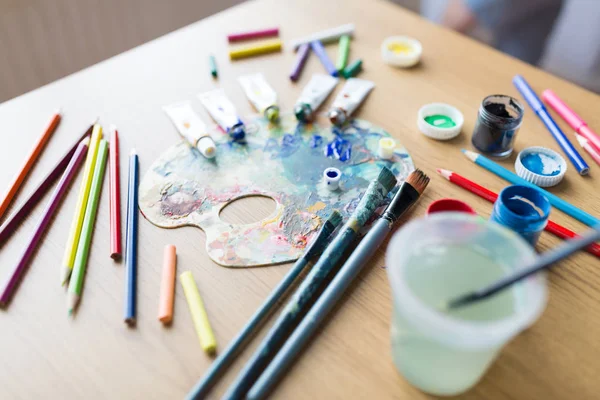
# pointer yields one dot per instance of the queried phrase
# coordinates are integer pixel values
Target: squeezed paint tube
(313, 94)
(353, 93)
(191, 127)
(223, 112)
(261, 95)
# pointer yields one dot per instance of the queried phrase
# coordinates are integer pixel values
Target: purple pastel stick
(303, 52)
(10, 285)
(319, 50)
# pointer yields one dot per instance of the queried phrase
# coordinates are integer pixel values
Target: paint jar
(498, 122)
(332, 177)
(450, 205)
(523, 209)
(430, 261)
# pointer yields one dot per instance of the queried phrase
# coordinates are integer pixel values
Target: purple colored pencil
(303, 52)
(10, 285)
(238, 37)
(11, 224)
(319, 50)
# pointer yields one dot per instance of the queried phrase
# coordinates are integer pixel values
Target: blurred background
(44, 40)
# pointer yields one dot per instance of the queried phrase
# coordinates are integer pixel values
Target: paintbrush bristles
(335, 218)
(418, 180)
(387, 179)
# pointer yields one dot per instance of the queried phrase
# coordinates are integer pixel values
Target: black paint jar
(498, 122)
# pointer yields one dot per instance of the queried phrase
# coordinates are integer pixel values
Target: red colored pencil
(115, 196)
(552, 227)
(238, 37)
(29, 162)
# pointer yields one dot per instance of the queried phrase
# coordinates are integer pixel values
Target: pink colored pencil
(115, 196)
(263, 33)
(587, 146)
(9, 287)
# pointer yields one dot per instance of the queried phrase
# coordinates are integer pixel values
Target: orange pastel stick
(167, 285)
(31, 159)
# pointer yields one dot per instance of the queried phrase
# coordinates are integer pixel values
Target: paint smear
(541, 164)
(440, 121)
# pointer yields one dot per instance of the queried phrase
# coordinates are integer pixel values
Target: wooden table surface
(45, 354)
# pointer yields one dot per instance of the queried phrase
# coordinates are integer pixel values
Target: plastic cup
(434, 259)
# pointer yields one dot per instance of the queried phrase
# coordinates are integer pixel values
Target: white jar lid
(440, 121)
(541, 166)
(401, 51)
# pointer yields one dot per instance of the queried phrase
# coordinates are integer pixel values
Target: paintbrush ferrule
(404, 198)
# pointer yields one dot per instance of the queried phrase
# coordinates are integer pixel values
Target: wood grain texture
(45, 354)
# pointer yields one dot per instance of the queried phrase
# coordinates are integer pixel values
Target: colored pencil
(589, 147)
(87, 230)
(544, 261)
(574, 120)
(198, 312)
(301, 58)
(353, 69)
(61, 189)
(552, 227)
(255, 50)
(556, 201)
(212, 63)
(262, 33)
(314, 282)
(408, 193)
(131, 240)
(317, 246)
(343, 52)
(115, 196)
(326, 36)
(167, 285)
(319, 50)
(82, 199)
(12, 222)
(540, 110)
(29, 162)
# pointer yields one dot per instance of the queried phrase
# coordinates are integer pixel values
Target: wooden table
(46, 354)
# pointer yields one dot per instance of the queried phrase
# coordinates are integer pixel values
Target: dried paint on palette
(284, 162)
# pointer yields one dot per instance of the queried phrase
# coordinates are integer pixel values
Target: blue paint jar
(523, 209)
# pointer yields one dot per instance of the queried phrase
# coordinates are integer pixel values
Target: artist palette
(284, 162)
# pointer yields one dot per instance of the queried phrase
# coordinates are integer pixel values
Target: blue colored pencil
(556, 201)
(406, 196)
(312, 285)
(538, 107)
(314, 250)
(131, 240)
(319, 50)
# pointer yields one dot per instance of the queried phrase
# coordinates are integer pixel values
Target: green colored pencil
(83, 248)
(213, 66)
(343, 50)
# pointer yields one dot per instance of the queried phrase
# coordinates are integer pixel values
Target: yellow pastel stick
(254, 50)
(199, 316)
(84, 193)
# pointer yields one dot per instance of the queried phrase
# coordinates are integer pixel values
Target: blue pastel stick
(538, 107)
(319, 50)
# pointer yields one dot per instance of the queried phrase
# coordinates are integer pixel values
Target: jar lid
(401, 51)
(541, 166)
(440, 121)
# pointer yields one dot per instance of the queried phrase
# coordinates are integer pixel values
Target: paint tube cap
(401, 51)
(304, 112)
(386, 148)
(337, 116)
(541, 166)
(207, 147)
(272, 113)
(440, 121)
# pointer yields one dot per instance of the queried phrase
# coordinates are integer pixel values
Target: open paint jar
(434, 259)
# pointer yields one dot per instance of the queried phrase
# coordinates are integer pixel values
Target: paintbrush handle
(313, 319)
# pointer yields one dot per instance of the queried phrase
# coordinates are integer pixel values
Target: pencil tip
(445, 173)
(70, 312)
(470, 154)
(133, 152)
(582, 141)
(112, 128)
(58, 111)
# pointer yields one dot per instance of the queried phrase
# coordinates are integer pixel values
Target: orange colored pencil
(29, 162)
(167, 285)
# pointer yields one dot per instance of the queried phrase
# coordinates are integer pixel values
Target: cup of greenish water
(434, 259)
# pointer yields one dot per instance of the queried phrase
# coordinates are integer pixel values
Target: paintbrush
(322, 238)
(544, 261)
(408, 193)
(312, 285)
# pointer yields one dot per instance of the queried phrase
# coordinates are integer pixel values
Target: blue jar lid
(541, 166)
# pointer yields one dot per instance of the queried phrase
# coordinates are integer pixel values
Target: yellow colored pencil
(84, 192)
(199, 316)
(255, 50)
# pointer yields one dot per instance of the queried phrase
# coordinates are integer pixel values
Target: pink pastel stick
(571, 118)
(238, 37)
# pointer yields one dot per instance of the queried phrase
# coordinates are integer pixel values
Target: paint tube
(223, 112)
(261, 95)
(313, 94)
(191, 127)
(353, 93)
